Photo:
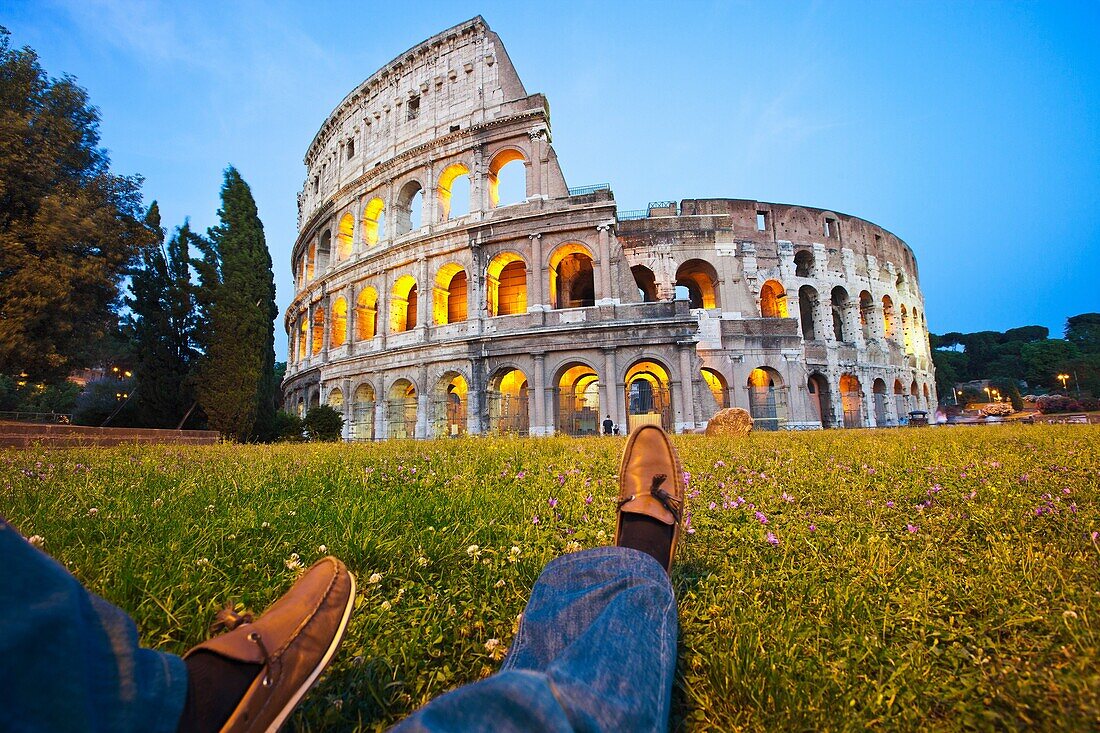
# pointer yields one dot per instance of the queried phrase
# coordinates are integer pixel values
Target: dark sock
(215, 686)
(642, 532)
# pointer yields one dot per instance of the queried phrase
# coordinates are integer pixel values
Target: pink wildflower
(913, 529)
(772, 539)
(760, 517)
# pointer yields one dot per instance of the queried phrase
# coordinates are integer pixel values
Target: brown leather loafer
(651, 481)
(293, 640)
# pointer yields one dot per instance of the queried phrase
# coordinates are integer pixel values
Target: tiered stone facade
(546, 314)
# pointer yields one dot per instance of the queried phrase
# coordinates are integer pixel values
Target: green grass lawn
(941, 578)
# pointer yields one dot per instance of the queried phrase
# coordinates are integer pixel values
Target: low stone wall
(22, 435)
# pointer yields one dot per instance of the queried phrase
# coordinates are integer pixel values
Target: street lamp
(988, 396)
(1063, 377)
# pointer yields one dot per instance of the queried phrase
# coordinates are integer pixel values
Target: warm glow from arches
(773, 300)
(366, 314)
(403, 304)
(344, 236)
(501, 159)
(339, 322)
(449, 295)
(336, 399)
(572, 281)
(447, 180)
(701, 281)
(717, 386)
(372, 221)
(318, 331)
(311, 262)
(506, 285)
(303, 338)
(888, 317)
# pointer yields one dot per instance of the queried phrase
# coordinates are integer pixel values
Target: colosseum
(449, 281)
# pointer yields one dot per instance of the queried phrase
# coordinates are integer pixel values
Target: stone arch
(767, 398)
(408, 211)
(647, 394)
(336, 399)
(578, 405)
(497, 163)
(339, 335)
(803, 263)
(362, 412)
(927, 404)
(403, 304)
(851, 400)
(701, 282)
(374, 221)
(878, 391)
(509, 403)
(318, 331)
(773, 300)
(454, 178)
(449, 297)
(366, 314)
(303, 337)
(345, 235)
(572, 278)
(646, 282)
(906, 330)
(401, 409)
(506, 284)
(900, 406)
(716, 383)
(311, 262)
(867, 315)
(449, 405)
(888, 318)
(807, 310)
(324, 250)
(838, 304)
(820, 397)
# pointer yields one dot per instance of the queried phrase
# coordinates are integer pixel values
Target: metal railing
(631, 215)
(40, 418)
(582, 190)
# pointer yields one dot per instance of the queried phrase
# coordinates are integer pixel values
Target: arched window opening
(767, 399)
(716, 383)
(449, 406)
(362, 413)
(403, 305)
(839, 303)
(324, 251)
(927, 398)
(507, 178)
(449, 299)
(867, 315)
(889, 325)
(318, 331)
(579, 401)
(572, 283)
(303, 338)
(701, 281)
(900, 407)
(508, 403)
(454, 192)
(906, 330)
(818, 387)
(646, 282)
(506, 285)
(344, 237)
(773, 300)
(366, 314)
(374, 222)
(401, 410)
(803, 263)
(648, 399)
(311, 262)
(878, 389)
(336, 399)
(339, 323)
(410, 203)
(807, 307)
(851, 399)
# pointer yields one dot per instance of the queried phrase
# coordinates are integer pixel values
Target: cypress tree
(236, 376)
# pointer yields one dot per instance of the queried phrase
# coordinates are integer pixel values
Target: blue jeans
(69, 660)
(596, 651)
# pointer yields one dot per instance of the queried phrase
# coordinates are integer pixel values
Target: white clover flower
(157, 502)
(386, 605)
(294, 562)
(499, 583)
(473, 551)
(37, 540)
(492, 644)
(375, 579)
(209, 507)
(292, 513)
(265, 525)
(422, 561)
(92, 512)
(202, 561)
(573, 546)
(231, 537)
(323, 549)
(515, 550)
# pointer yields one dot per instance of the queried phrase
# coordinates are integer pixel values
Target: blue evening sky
(970, 130)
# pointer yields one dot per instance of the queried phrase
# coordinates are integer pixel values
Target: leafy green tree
(163, 325)
(69, 228)
(1084, 332)
(950, 367)
(236, 374)
(288, 426)
(1026, 333)
(323, 423)
(1044, 360)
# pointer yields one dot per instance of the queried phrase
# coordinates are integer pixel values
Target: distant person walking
(608, 425)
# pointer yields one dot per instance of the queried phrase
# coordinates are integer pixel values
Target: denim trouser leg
(69, 660)
(596, 651)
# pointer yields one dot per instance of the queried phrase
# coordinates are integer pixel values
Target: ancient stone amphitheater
(450, 282)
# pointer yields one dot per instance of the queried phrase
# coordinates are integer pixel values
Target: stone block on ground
(730, 421)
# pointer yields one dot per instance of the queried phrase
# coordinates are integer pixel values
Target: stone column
(423, 403)
(611, 380)
(603, 251)
(380, 415)
(536, 392)
(382, 309)
(536, 301)
(345, 387)
(687, 392)
(424, 298)
(350, 324)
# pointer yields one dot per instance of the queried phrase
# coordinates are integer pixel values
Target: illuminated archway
(578, 400)
(906, 330)
(498, 177)
(506, 285)
(311, 262)
(716, 383)
(851, 400)
(449, 406)
(646, 282)
(366, 314)
(374, 217)
(773, 300)
(303, 337)
(899, 399)
(767, 399)
(927, 399)
(455, 178)
(866, 315)
(362, 413)
(807, 308)
(818, 387)
(318, 331)
(699, 281)
(888, 318)
(449, 295)
(409, 207)
(344, 236)
(572, 284)
(508, 406)
(401, 410)
(339, 323)
(648, 400)
(324, 251)
(403, 304)
(878, 390)
(336, 399)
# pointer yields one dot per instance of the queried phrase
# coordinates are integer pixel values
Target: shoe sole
(678, 478)
(336, 640)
